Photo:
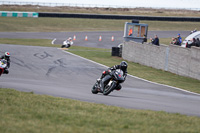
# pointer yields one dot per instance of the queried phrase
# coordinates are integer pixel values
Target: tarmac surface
(52, 71)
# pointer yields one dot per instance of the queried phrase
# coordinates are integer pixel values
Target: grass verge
(30, 42)
(167, 41)
(103, 56)
(8, 24)
(27, 112)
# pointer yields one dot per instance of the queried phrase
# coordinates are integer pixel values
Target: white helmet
(7, 54)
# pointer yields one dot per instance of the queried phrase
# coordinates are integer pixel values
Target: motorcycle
(66, 44)
(3, 65)
(116, 78)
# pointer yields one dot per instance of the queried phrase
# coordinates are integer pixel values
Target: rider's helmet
(123, 65)
(70, 38)
(7, 55)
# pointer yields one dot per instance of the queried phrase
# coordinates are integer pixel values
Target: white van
(188, 39)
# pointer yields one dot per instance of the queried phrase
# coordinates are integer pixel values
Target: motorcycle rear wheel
(110, 88)
(68, 45)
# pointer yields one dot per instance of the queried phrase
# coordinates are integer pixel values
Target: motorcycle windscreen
(119, 75)
(2, 65)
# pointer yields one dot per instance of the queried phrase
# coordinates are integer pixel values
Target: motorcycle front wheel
(110, 88)
(94, 88)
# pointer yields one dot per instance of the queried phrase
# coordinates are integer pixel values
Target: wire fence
(59, 4)
(83, 5)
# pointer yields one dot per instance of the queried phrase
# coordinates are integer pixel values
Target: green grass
(24, 112)
(103, 56)
(59, 24)
(167, 41)
(76, 24)
(31, 42)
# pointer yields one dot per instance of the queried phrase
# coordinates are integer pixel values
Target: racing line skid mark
(42, 55)
(137, 77)
(57, 63)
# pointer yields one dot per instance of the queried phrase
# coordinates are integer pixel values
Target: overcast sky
(132, 3)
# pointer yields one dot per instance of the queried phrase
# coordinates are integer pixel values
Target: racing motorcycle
(66, 44)
(116, 77)
(3, 65)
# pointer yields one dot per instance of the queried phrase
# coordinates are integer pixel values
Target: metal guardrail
(60, 4)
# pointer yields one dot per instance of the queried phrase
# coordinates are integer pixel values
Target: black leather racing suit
(105, 76)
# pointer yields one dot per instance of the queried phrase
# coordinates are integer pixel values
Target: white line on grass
(135, 76)
(53, 41)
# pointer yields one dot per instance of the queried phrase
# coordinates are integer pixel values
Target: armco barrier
(18, 14)
(126, 17)
(175, 59)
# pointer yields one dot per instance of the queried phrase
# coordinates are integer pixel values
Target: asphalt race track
(93, 37)
(52, 71)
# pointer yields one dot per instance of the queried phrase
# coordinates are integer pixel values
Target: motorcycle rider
(6, 56)
(105, 75)
(68, 43)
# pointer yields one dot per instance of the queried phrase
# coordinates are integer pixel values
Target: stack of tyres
(115, 51)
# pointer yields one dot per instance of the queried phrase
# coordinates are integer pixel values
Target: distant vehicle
(188, 39)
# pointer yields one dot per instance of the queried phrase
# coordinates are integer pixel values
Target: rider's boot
(5, 71)
(118, 87)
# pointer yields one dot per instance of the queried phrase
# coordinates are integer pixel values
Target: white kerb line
(53, 41)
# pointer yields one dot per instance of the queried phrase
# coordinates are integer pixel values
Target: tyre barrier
(126, 17)
(96, 16)
(116, 51)
(18, 14)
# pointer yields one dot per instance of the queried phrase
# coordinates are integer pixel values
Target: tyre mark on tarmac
(42, 56)
(20, 62)
(58, 63)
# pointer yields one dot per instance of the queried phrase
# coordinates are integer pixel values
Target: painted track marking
(53, 41)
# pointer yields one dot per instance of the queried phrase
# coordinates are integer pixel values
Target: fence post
(166, 58)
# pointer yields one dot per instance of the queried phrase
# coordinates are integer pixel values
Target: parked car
(188, 39)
